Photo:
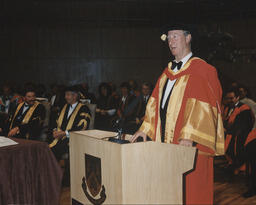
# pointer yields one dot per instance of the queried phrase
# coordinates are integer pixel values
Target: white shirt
(124, 99)
(171, 83)
(7, 105)
(26, 106)
(146, 98)
(53, 99)
(232, 109)
(71, 109)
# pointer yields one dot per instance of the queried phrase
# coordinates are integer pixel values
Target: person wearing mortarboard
(74, 116)
(184, 109)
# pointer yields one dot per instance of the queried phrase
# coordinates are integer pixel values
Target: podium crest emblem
(93, 180)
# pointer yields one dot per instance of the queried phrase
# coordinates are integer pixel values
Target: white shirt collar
(185, 59)
(74, 105)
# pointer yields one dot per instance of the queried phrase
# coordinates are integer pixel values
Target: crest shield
(93, 174)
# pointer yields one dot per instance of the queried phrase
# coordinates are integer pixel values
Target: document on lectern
(4, 141)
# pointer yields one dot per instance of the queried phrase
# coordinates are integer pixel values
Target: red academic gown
(238, 126)
(193, 113)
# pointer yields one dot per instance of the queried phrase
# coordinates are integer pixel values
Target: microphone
(118, 125)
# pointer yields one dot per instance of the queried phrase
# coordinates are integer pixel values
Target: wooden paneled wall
(57, 48)
(73, 54)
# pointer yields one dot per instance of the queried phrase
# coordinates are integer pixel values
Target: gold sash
(27, 116)
(70, 122)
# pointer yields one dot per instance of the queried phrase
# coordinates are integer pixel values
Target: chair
(92, 108)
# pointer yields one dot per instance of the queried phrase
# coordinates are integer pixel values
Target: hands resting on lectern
(137, 135)
(183, 142)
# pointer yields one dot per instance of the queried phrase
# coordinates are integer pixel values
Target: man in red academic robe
(185, 109)
(238, 124)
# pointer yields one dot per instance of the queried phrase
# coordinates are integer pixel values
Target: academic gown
(193, 113)
(238, 126)
(30, 122)
(77, 121)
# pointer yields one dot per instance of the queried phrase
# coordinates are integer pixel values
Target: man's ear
(188, 38)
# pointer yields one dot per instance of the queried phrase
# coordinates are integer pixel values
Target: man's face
(124, 91)
(145, 90)
(104, 91)
(30, 98)
(71, 97)
(179, 44)
(231, 99)
(242, 93)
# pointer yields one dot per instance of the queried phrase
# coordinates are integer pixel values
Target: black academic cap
(179, 26)
(73, 88)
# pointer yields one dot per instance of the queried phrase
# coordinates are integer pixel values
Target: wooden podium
(103, 172)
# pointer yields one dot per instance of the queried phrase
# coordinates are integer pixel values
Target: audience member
(244, 98)
(85, 94)
(238, 124)
(104, 110)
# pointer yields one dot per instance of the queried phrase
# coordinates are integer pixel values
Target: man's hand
(137, 135)
(59, 134)
(187, 143)
(1, 130)
(137, 121)
(13, 131)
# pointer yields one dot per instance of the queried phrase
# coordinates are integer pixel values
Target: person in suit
(103, 118)
(146, 90)
(127, 108)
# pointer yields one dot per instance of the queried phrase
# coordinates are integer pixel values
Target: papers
(4, 141)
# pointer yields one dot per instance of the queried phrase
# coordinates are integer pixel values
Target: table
(29, 174)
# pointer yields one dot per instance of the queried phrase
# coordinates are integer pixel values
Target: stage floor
(227, 190)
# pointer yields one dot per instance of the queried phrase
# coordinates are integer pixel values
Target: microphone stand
(119, 138)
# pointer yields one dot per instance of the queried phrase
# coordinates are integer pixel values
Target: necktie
(178, 65)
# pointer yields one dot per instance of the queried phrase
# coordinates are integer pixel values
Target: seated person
(104, 109)
(85, 94)
(146, 90)
(5, 99)
(127, 108)
(27, 119)
(74, 116)
(138, 106)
